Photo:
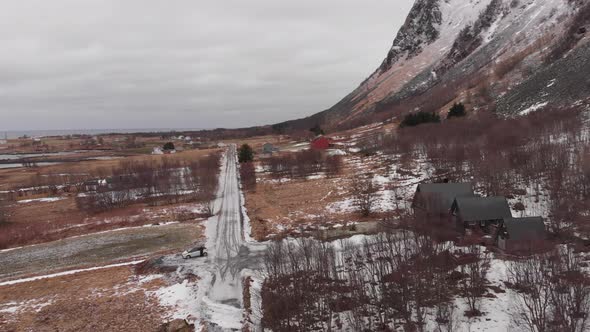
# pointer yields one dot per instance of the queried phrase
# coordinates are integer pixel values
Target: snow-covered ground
(393, 182)
(181, 297)
(41, 200)
(65, 273)
(216, 300)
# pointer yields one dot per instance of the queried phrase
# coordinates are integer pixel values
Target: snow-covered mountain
(505, 55)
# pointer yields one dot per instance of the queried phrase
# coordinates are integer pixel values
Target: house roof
(446, 192)
(530, 228)
(483, 208)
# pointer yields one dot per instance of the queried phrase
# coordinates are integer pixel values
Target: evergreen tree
(245, 154)
(458, 110)
(169, 146)
(414, 119)
(317, 130)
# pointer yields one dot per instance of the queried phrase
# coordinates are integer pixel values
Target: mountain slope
(480, 51)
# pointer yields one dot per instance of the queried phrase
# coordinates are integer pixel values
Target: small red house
(321, 143)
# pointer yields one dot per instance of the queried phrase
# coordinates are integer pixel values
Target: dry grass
(104, 300)
(37, 222)
(258, 141)
(14, 178)
(288, 203)
(281, 208)
(49, 221)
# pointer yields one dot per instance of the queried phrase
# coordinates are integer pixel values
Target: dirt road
(229, 252)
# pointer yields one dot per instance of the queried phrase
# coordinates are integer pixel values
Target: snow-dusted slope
(448, 40)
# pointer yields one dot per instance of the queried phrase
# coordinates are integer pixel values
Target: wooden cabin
(479, 212)
(521, 235)
(437, 198)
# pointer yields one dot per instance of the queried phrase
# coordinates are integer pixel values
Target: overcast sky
(71, 64)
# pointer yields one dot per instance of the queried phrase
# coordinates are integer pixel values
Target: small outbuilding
(521, 234)
(479, 212)
(437, 198)
(321, 143)
(268, 148)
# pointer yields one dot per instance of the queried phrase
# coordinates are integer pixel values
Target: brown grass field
(86, 301)
(37, 221)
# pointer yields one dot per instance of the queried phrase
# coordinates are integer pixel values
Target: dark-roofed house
(482, 212)
(437, 198)
(521, 234)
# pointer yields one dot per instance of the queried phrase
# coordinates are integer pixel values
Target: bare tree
(563, 214)
(248, 175)
(570, 292)
(531, 278)
(333, 165)
(210, 208)
(473, 286)
(446, 320)
(364, 193)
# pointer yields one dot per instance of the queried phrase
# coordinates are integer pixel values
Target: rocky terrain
(504, 55)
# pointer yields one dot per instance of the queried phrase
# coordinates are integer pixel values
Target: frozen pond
(8, 157)
(13, 156)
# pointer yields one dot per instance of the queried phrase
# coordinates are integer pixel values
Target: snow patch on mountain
(448, 40)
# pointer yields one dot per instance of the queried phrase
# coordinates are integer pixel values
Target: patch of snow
(226, 316)
(336, 152)
(534, 108)
(10, 309)
(182, 297)
(492, 30)
(315, 177)
(66, 273)
(347, 205)
(41, 200)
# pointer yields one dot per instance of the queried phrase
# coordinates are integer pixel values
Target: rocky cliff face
(487, 53)
(421, 28)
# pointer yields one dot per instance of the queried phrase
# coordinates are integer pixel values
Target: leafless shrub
(172, 180)
(473, 286)
(570, 292)
(364, 194)
(209, 209)
(553, 291)
(4, 210)
(333, 165)
(301, 164)
(446, 320)
(388, 282)
(248, 175)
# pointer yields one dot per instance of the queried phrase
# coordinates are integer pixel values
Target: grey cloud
(133, 64)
